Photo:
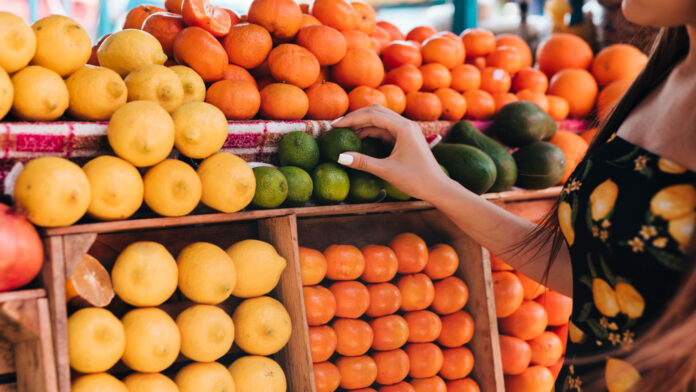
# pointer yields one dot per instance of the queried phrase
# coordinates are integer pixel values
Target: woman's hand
(411, 167)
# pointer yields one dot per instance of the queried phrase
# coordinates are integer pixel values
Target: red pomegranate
(21, 250)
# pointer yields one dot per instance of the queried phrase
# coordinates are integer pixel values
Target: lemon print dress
(628, 216)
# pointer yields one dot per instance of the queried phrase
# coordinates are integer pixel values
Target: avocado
(467, 165)
(522, 122)
(539, 165)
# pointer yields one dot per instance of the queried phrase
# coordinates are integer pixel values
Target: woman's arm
(412, 168)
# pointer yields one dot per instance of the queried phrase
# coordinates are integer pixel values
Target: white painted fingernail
(336, 120)
(435, 141)
(345, 159)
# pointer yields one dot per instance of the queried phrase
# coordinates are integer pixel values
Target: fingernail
(436, 140)
(336, 120)
(345, 159)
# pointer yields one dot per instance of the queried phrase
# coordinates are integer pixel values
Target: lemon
(631, 303)
(228, 182)
(144, 274)
(604, 298)
(602, 199)
(207, 275)
(192, 82)
(53, 191)
(62, 44)
(18, 42)
(682, 230)
(157, 83)
(674, 202)
(565, 221)
(6, 93)
(152, 340)
(620, 375)
(172, 188)
(575, 334)
(150, 382)
(98, 382)
(127, 50)
(262, 325)
(201, 129)
(258, 267)
(39, 94)
(95, 93)
(116, 188)
(258, 374)
(141, 132)
(204, 377)
(96, 340)
(207, 332)
(670, 167)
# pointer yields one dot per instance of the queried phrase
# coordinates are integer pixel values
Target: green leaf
(607, 272)
(586, 281)
(584, 312)
(627, 157)
(588, 218)
(597, 329)
(593, 271)
(647, 171)
(629, 323)
(573, 208)
(588, 165)
(668, 259)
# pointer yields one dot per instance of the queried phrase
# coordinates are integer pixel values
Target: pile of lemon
(148, 340)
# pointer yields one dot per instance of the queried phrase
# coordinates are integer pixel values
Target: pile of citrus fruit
(389, 318)
(149, 340)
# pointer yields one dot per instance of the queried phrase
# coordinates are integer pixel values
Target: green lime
(299, 185)
(298, 149)
(394, 193)
(444, 169)
(364, 187)
(331, 183)
(336, 141)
(271, 187)
(375, 148)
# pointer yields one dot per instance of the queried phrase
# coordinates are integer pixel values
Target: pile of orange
(388, 318)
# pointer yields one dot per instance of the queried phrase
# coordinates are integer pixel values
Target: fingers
(373, 116)
(362, 162)
(378, 133)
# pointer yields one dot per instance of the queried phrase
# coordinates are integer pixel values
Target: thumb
(363, 162)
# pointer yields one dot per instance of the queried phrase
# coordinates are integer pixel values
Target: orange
(280, 101)
(435, 76)
(326, 377)
(304, 7)
(563, 51)
(247, 45)
(610, 96)
(426, 359)
(359, 67)
(357, 39)
(382, 36)
(235, 72)
(451, 295)
(366, 17)
(234, 16)
(327, 101)
(517, 42)
(293, 64)
(394, 33)
(320, 304)
(534, 378)
(463, 385)
(442, 50)
(430, 384)
(338, 14)
(324, 76)
(215, 20)
(532, 288)
(495, 80)
(508, 293)
(322, 342)
(507, 58)
(354, 337)
(528, 321)
(453, 104)
(408, 77)
(90, 284)
(385, 299)
(538, 99)
(352, 298)
(556, 368)
(547, 349)
(417, 292)
(457, 329)
(357, 372)
(562, 333)
(312, 266)
(589, 134)
(420, 33)
(238, 99)
(201, 51)
(465, 77)
(392, 366)
(396, 99)
(558, 107)
(480, 105)
(617, 62)
(497, 264)
(424, 326)
(400, 387)
(165, 27)
(456, 363)
(574, 148)
(136, 16)
(363, 96)
(380, 263)
(558, 307)
(502, 99)
(173, 6)
(326, 43)
(576, 86)
(531, 79)
(443, 261)
(411, 251)
(478, 42)
(390, 332)
(345, 262)
(308, 20)
(459, 45)
(261, 71)
(265, 81)
(478, 62)
(281, 18)
(398, 53)
(515, 354)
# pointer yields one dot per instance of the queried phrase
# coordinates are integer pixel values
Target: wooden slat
(8, 387)
(7, 364)
(75, 248)
(22, 295)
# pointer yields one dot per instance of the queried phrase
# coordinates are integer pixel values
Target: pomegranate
(21, 250)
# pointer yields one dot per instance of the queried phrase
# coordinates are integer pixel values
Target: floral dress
(628, 216)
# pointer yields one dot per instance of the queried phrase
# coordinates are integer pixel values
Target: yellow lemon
(95, 93)
(141, 132)
(604, 298)
(18, 43)
(619, 375)
(565, 221)
(204, 377)
(130, 49)
(670, 167)
(207, 332)
(62, 44)
(631, 303)
(674, 202)
(39, 94)
(152, 340)
(575, 334)
(192, 83)
(201, 129)
(228, 182)
(602, 199)
(172, 188)
(262, 325)
(98, 382)
(157, 83)
(207, 275)
(258, 267)
(258, 374)
(6, 93)
(116, 188)
(150, 382)
(53, 191)
(96, 340)
(144, 274)
(682, 230)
